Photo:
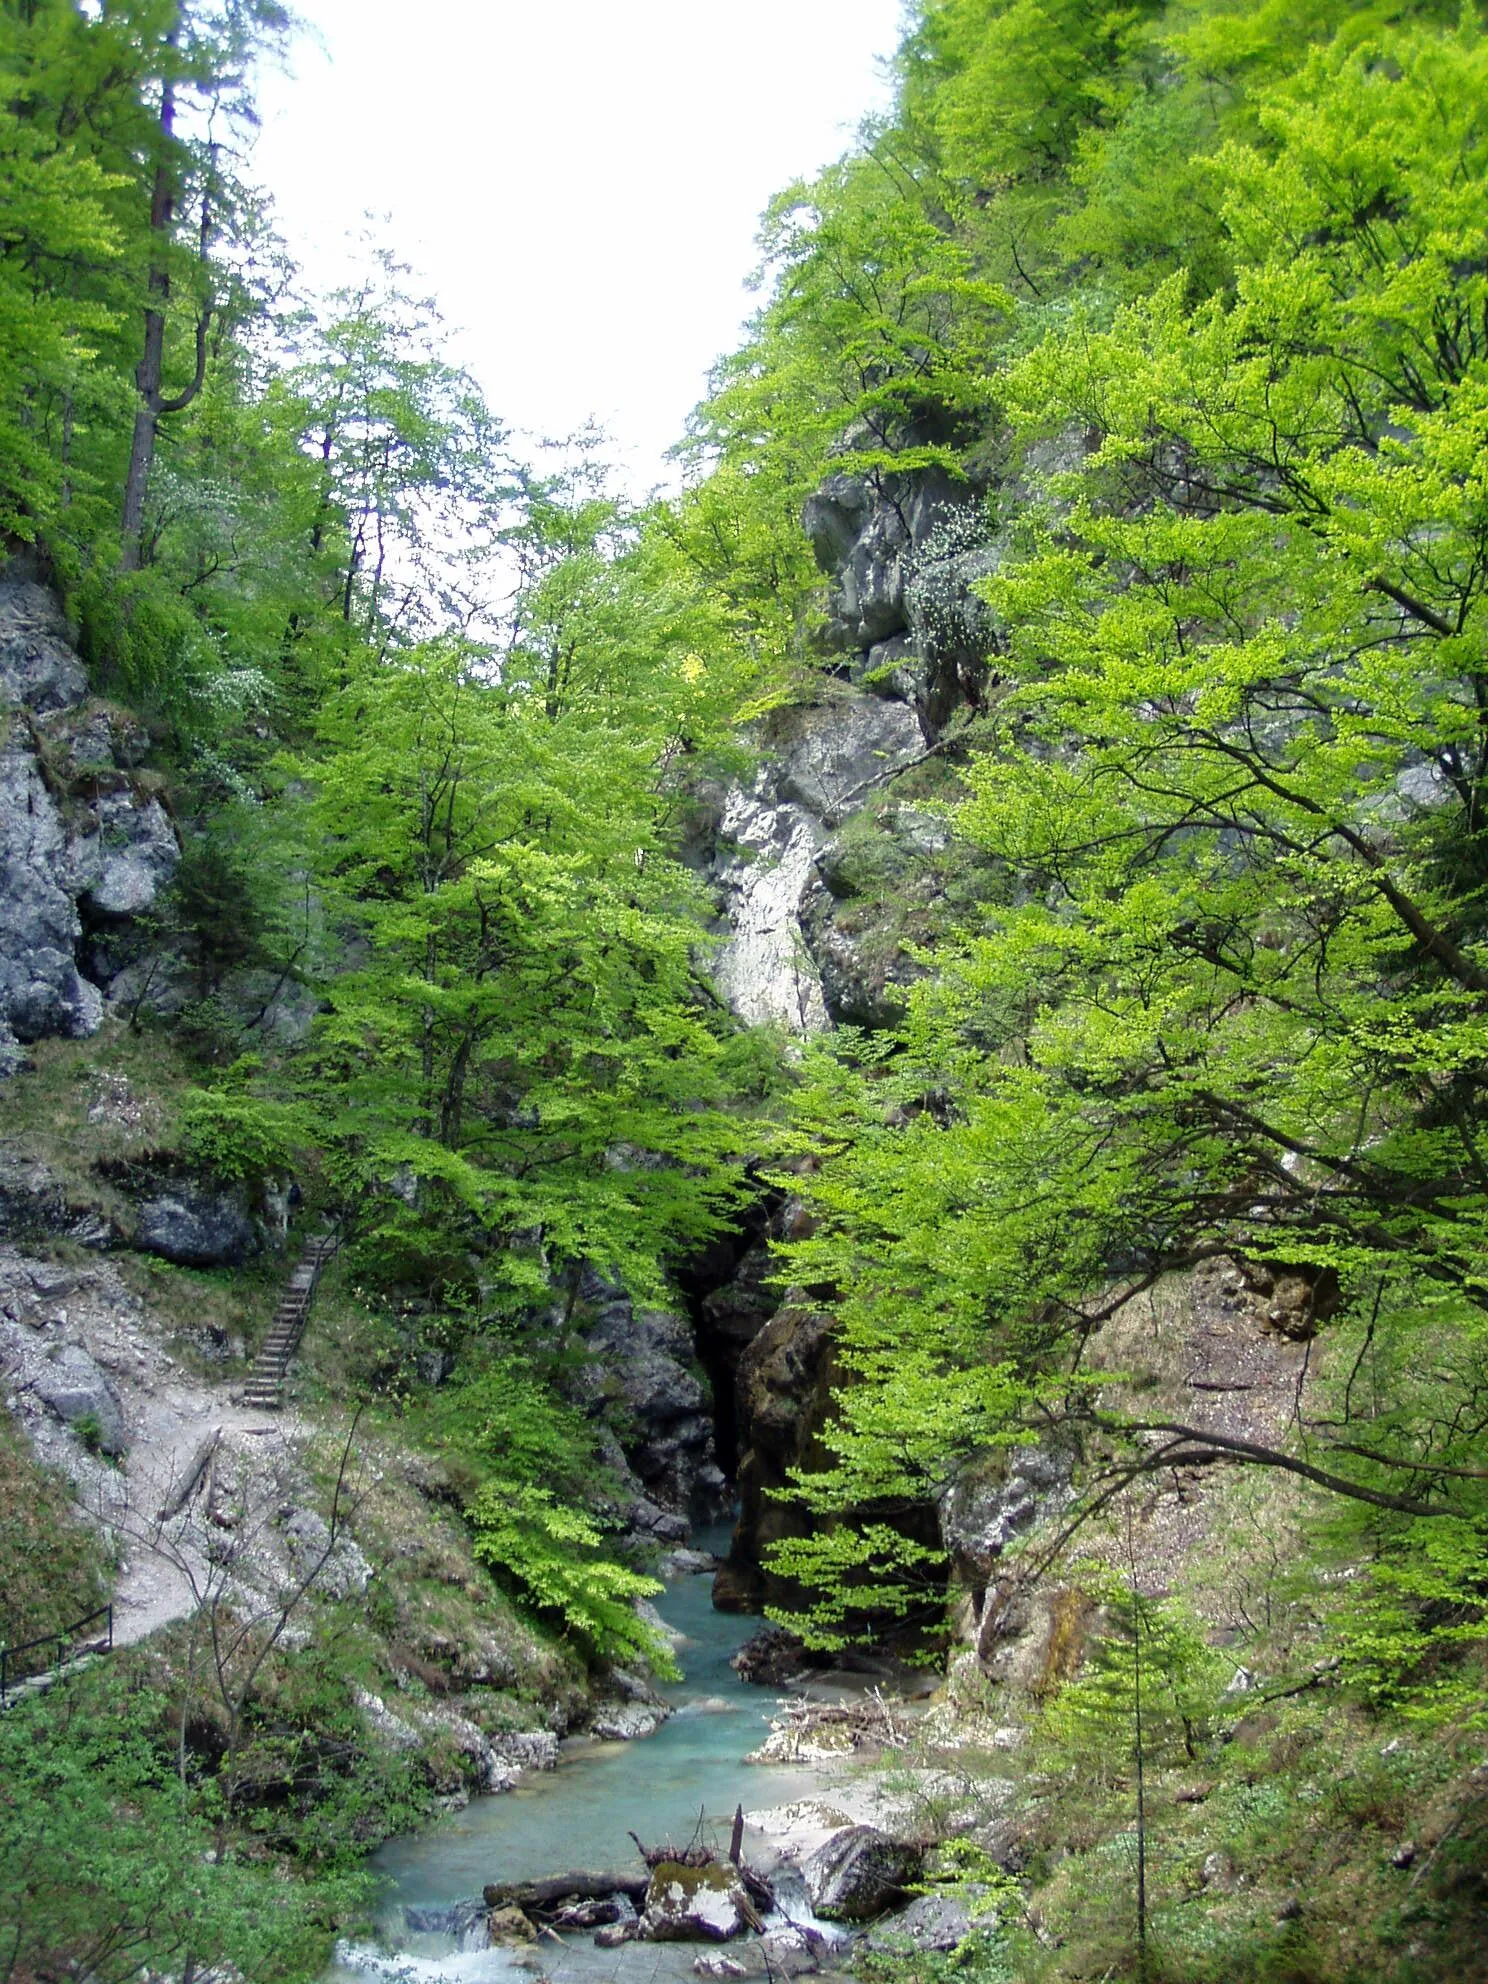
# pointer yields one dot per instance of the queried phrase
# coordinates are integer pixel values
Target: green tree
(1232, 995)
(105, 1867)
(527, 1038)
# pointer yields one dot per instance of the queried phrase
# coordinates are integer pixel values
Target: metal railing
(62, 1641)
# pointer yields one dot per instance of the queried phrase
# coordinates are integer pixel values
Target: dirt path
(156, 1574)
(88, 1323)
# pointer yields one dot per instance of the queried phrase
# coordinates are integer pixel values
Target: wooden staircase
(265, 1387)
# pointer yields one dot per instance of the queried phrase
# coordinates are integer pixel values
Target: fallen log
(196, 1467)
(545, 1896)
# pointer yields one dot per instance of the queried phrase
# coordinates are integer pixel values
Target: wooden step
(264, 1390)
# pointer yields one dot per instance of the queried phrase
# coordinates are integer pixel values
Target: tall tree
(203, 51)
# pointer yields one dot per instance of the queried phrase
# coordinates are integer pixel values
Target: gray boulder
(38, 669)
(196, 1229)
(528, 1749)
(691, 1904)
(860, 1872)
(73, 1386)
(938, 1922)
(34, 1205)
(128, 856)
(686, 1564)
(654, 1524)
(340, 1569)
(627, 1722)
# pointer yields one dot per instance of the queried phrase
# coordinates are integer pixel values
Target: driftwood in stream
(545, 1897)
(694, 1854)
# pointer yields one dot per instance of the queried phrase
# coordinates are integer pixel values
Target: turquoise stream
(581, 1814)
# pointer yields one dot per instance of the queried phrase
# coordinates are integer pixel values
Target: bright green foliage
(524, 1042)
(553, 1553)
(104, 1866)
(528, 1464)
(522, 1045)
(1151, 1670)
(57, 215)
(240, 1136)
(1233, 993)
(81, 142)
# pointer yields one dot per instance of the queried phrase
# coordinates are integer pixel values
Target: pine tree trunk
(149, 373)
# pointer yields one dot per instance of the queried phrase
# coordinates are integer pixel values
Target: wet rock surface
(860, 1873)
(771, 1659)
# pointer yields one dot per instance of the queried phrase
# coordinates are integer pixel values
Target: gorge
(807, 1149)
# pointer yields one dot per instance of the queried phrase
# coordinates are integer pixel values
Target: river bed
(580, 1816)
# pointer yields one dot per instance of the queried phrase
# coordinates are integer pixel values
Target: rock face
(196, 1228)
(859, 1873)
(830, 865)
(903, 552)
(986, 1508)
(627, 1721)
(42, 992)
(126, 857)
(818, 766)
(643, 1361)
(83, 844)
(38, 669)
(784, 1385)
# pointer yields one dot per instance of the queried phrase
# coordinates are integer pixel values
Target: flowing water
(581, 1814)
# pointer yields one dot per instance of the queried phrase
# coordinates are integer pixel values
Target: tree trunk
(149, 374)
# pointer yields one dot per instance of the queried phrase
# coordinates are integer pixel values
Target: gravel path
(87, 1323)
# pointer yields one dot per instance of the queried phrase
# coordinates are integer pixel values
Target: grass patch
(53, 1567)
(216, 1308)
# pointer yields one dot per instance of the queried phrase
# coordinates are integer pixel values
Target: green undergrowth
(113, 1861)
(219, 1315)
(1275, 1858)
(82, 1107)
(53, 1568)
(1304, 1841)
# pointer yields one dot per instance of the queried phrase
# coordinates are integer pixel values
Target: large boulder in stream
(685, 1904)
(860, 1872)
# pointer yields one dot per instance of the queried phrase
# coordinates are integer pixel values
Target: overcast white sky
(578, 182)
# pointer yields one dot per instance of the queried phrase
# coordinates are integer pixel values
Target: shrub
(241, 1137)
